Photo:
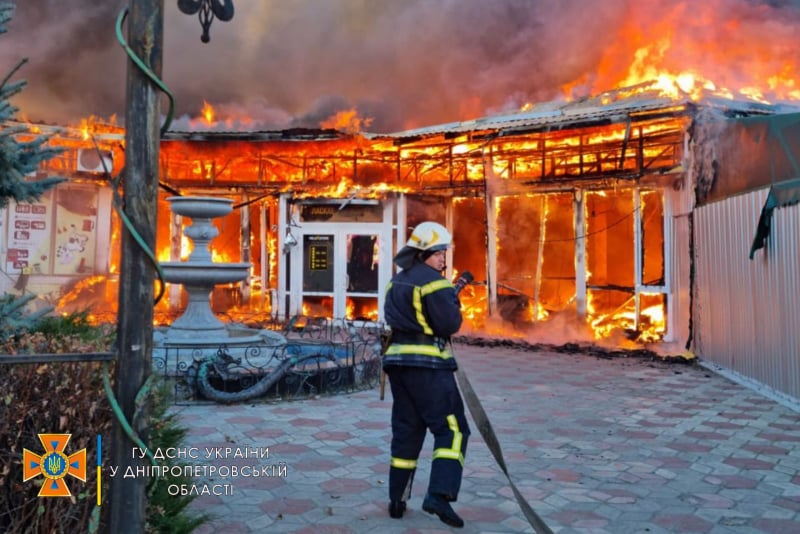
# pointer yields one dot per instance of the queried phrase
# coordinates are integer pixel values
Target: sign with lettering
(341, 212)
(29, 236)
(317, 212)
(318, 258)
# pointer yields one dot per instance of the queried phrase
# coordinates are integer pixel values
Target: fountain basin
(234, 337)
(201, 207)
(177, 349)
(203, 273)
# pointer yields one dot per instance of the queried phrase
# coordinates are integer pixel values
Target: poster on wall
(29, 236)
(75, 235)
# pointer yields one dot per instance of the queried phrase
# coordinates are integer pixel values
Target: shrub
(15, 318)
(59, 397)
(69, 398)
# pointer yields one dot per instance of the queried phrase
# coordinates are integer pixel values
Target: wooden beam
(128, 499)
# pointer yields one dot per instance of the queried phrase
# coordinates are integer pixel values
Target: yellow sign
(54, 465)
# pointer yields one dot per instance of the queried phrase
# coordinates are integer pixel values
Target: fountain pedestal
(198, 321)
(199, 274)
(198, 330)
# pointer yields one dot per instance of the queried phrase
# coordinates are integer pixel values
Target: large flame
(207, 112)
(334, 170)
(347, 121)
(728, 49)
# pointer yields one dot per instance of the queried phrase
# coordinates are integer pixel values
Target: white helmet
(427, 237)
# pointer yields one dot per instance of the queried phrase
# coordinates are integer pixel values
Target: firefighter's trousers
(426, 399)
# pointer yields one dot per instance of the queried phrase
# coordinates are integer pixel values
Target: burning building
(592, 219)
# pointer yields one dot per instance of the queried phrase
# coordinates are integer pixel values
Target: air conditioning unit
(90, 160)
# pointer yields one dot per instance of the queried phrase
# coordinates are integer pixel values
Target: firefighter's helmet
(430, 237)
(427, 237)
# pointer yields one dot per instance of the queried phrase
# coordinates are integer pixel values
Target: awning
(781, 194)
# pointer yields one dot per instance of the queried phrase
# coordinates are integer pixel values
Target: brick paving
(596, 445)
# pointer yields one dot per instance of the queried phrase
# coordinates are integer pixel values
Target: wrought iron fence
(307, 356)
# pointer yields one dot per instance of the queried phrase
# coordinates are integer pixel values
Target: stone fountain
(211, 354)
(198, 331)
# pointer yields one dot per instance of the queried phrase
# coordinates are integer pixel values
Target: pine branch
(20, 83)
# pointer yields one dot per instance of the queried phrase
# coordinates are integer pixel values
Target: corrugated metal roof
(549, 114)
(611, 106)
(601, 108)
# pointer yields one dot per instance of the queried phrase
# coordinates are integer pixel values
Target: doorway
(340, 268)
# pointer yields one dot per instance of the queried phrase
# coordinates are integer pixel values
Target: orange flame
(207, 112)
(650, 326)
(698, 48)
(347, 121)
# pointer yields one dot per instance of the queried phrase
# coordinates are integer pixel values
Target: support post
(264, 223)
(540, 253)
(579, 223)
(491, 233)
(638, 250)
(128, 499)
(448, 223)
(245, 287)
(175, 249)
(491, 255)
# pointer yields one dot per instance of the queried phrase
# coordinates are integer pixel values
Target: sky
(398, 63)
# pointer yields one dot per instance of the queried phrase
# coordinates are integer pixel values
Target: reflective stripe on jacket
(423, 310)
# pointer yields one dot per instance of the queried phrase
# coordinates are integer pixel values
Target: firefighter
(423, 311)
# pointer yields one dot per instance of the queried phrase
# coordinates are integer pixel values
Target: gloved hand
(462, 281)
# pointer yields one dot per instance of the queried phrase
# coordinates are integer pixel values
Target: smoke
(72, 72)
(402, 64)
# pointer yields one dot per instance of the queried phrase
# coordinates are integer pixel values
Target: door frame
(290, 301)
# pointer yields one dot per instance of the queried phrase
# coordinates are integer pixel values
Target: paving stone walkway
(596, 445)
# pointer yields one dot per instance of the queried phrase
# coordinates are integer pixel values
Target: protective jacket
(423, 311)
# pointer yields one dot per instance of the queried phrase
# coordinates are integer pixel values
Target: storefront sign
(341, 212)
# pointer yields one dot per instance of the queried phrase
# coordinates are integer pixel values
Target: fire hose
(487, 432)
(262, 386)
(481, 420)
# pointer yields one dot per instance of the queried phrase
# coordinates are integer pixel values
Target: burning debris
(582, 349)
(562, 212)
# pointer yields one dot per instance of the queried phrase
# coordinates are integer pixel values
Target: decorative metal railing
(306, 356)
(303, 357)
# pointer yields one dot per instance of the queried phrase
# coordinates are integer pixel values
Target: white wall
(747, 312)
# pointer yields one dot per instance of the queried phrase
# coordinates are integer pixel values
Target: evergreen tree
(18, 158)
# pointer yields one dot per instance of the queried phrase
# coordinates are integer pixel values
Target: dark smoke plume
(403, 64)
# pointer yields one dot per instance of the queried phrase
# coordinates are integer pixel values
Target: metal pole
(128, 499)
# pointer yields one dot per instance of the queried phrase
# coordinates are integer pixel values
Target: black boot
(397, 508)
(437, 504)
